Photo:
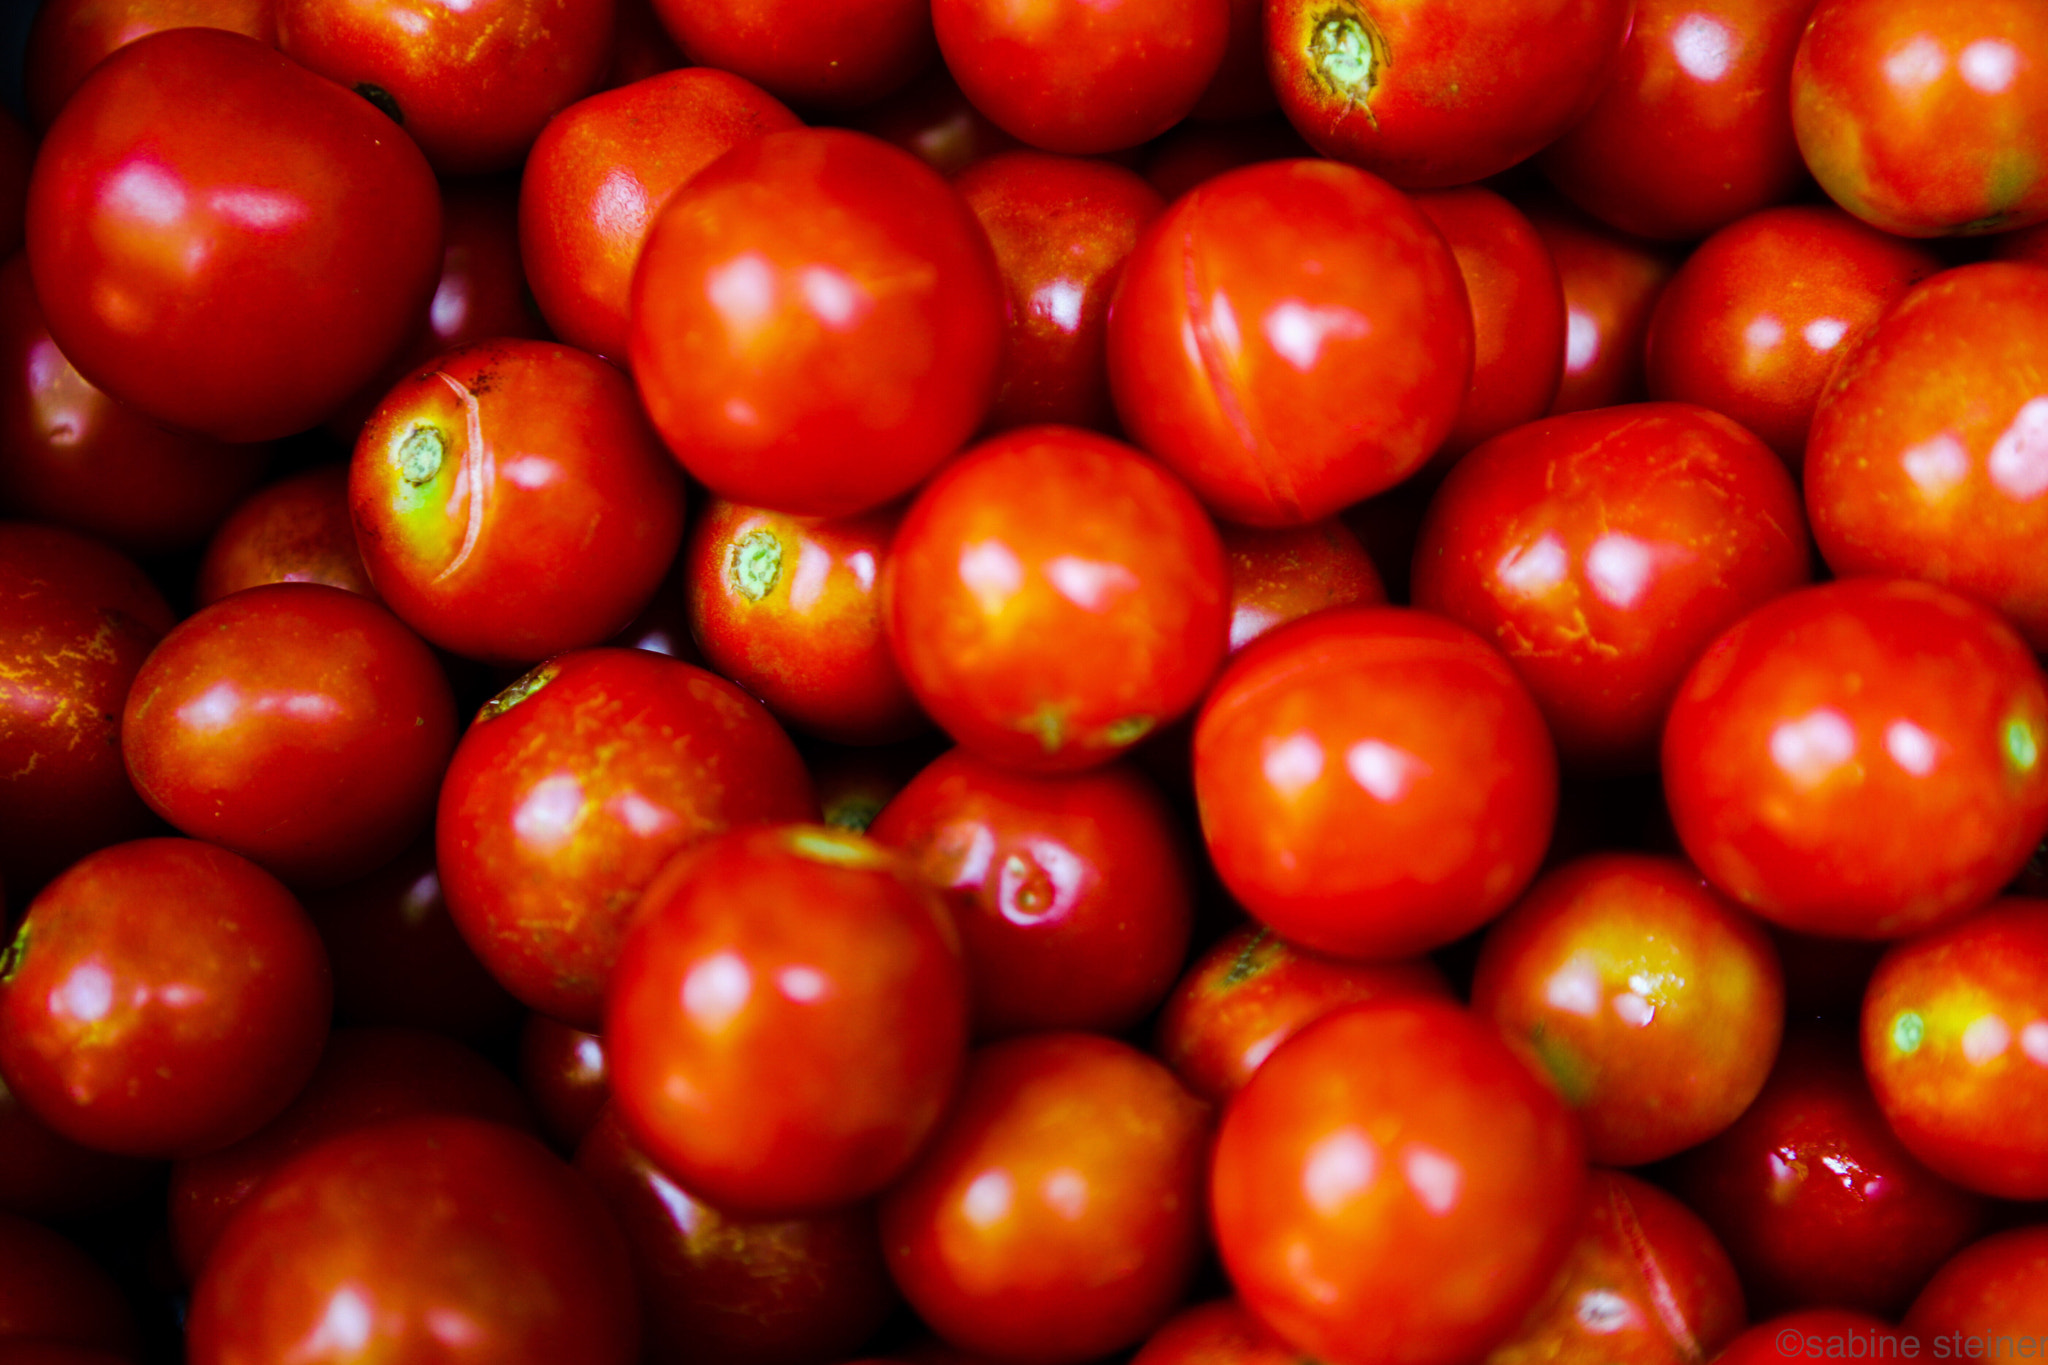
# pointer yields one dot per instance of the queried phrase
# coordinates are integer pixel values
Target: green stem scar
(754, 564)
(420, 455)
(1349, 56)
(1908, 1031)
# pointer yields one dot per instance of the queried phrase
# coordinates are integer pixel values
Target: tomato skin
(425, 1229)
(1990, 1289)
(1611, 284)
(1070, 893)
(1319, 355)
(566, 1077)
(599, 172)
(296, 530)
(511, 502)
(474, 83)
(1817, 740)
(1952, 1034)
(1054, 533)
(1763, 312)
(1373, 781)
(300, 725)
(1925, 458)
(51, 1290)
(48, 1177)
(570, 791)
(225, 241)
(817, 321)
(1412, 1211)
(790, 608)
(1083, 78)
(1433, 93)
(804, 952)
(1056, 1215)
(163, 998)
(1816, 1332)
(1602, 552)
(68, 38)
(1654, 1003)
(73, 456)
(1813, 1196)
(1283, 573)
(1926, 117)
(1694, 129)
(827, 54)
(1645, 1283)
(77, 620)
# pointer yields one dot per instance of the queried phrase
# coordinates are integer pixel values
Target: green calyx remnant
(754, 564)
(1349, 56)
(10, 961)
(2020, 744)
(854, 813)
(1129, 730)
(517, 692)
(379, 96)
(1908, 1031)
(420, 455)
(1250, 959)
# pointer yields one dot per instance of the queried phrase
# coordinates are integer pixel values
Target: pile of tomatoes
(979, 683)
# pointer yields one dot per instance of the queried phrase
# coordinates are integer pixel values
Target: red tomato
(1289, 338)
(1410, 1211)
(162, 998)
(225, 241)
(1083, 78)
(834, 54)
(511, 501)
(300, 725)
(1431, 93)
(471, 83)
(803, 952)
(817, 322)
(70, 37)
(296, 530)
(1990, 1290)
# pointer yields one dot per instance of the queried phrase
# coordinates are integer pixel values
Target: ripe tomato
(225, 241)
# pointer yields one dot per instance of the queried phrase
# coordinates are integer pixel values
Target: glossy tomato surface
(1053, 533)
(1602, 551)
(837, 55)
(1290, 337)
(1818, 746)
(1927, 117)
(1055, 1217)
(1955, 1041)
(225, 241)
(70, 37)
(1373, 781)
(162, 998)
(817, 321)
(511, 502)
(471, 83)
(598, 173)
(296, 530)
(804, 952)
(1411, 1211)
(1928, 455)
(300, 725)
(570, 790)
(440, 1238)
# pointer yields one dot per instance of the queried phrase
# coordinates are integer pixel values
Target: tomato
(1817, 741)
(1373, 781)
(1432, 93)
(1989, 1290)
(480, 479)
(570, 790)
(298, 724)
(1055, 533)
(1928, 455)
(1083, 78)
(225, 241)
(1926, 117)
(838, 55)
(162, 998)
(1281, 574)
(1289, 338)
(1412, 1211)
(1055, 1216)
(70, 37)
(1611, 283)
(472, 83)
(564, 1072)
(809, 951)
(598, 173)
(428, 1237)
(817, 322)
(1654, 1004)
(296, 530)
